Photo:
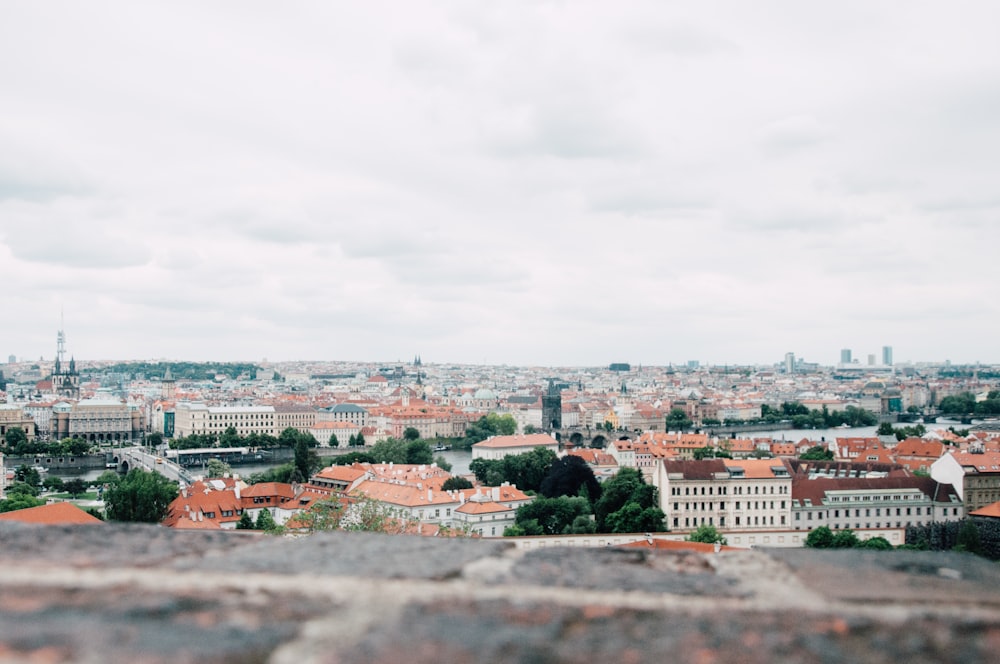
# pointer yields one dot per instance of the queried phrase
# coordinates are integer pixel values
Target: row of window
(910, 511)
(738, 522)
(883, 499)
(724, 490)
(738, 505)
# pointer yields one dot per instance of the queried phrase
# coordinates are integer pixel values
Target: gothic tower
(552, 407)
(65, 381)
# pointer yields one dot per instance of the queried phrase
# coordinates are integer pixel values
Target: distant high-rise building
(887, 355)
(789, 362)
(845, 356)
(871, 359)
(12, 359)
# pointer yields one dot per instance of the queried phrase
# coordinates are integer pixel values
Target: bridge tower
(552, 407)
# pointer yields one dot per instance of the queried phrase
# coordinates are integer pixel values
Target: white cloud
(522, 182)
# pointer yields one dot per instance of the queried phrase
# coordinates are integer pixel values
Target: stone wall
(121, 593)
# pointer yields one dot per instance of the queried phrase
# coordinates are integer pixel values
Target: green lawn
(90, 495)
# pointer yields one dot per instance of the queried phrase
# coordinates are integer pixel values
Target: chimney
(496, 494)
(430, 495)
(236, 489)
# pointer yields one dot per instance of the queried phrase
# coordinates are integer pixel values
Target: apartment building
(729, 494)
(975, 474)
(198, 418)
(872, 502)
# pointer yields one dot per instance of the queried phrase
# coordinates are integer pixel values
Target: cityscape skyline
(537, 183)
(788, 363)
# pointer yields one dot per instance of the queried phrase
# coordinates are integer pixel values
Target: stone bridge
(588, 437)
(124, 593)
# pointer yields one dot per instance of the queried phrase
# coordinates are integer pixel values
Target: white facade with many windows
(198, 418)
(872, 503)
(725, 493)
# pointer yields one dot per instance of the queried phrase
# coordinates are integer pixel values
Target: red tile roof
(52, 514)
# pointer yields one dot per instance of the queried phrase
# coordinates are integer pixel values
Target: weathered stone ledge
(131, 593)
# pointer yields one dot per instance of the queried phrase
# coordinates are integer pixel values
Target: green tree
(140, 496)
(583, 525)
(288, 437)
(504, 425)
(526, 471)
(958, 404)
(419, 452)
(217, 468)
(19, 501)
(845, 539)
(390, 450)
(411, 433)
(75, 487)
(245, 522)
(817, 453)
(15, 438)
(456, 484)
(566, 476)
(529, 429)
(28, 475)
(360, 440)
(885, 429)
(22, 489)
(628, 486)
(353, 457)
(709, 452)
(968, 538)
(442, 463)
(333, 442)
(54, 484)
(74, 447)
(632, 518)
(154, 439)
(306, 460)
(677, 420)
(481, 468)
(820, 538)
(230, 438)
(876, 543)
(707, 534)
(357, 513)
(555, 516)
(265, 521)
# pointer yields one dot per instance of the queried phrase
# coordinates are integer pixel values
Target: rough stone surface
(144, 593)
(622, 569)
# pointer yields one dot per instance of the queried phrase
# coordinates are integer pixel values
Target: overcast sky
(518, 182)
